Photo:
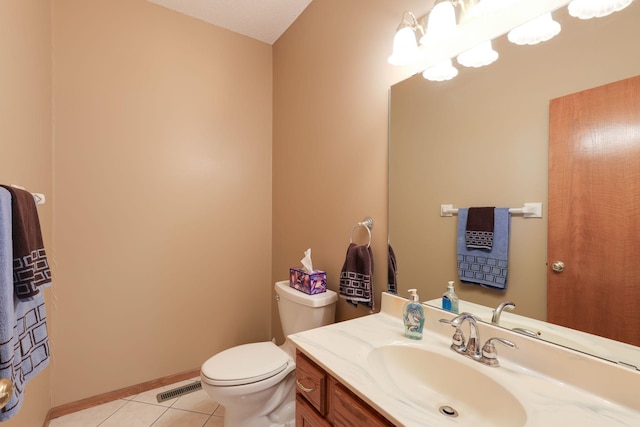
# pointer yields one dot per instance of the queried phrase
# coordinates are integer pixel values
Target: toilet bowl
(256, 382)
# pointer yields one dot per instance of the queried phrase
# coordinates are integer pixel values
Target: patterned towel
(479, 231)
(24, 344)
(487, 268)
(30, 265)
(356, 277)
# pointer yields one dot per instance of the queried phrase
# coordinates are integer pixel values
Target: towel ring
(366, 223)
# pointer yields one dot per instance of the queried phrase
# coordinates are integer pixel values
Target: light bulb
(441, 72)
(479, 56)
(405, 47)
(441, 24)
(586, 9)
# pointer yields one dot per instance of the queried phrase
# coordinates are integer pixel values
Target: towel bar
(38, 197)
(529, 210)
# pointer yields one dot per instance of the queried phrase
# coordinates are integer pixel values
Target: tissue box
(314, 282)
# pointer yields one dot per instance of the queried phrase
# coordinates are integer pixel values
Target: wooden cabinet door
(306, 416)
(347, 410)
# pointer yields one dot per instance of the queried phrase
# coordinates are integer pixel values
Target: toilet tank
(300, 312)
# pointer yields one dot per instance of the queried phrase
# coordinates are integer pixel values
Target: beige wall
(162, 193)
(331, 82)
(25, 140)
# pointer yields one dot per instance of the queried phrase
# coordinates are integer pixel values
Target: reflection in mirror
(482, 140)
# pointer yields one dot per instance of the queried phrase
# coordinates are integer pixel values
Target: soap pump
(450, 299)
(413, 316)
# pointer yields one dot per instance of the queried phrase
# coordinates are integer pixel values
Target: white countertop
(559, 387)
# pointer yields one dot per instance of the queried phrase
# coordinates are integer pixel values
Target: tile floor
(195, 409)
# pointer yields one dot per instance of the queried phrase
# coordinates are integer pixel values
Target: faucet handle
(458, 340)
(489, 352)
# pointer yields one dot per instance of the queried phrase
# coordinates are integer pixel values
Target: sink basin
(446, 385)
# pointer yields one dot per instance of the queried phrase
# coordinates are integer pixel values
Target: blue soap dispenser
(450, 299)
(413, 316)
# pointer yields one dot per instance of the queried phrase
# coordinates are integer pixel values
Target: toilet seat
(245, 364)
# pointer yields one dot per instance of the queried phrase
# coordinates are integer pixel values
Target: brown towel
(392, 280)
(479, 231)
(30, 265)
(356, 277)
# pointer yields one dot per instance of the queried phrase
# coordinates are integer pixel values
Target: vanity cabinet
(322, 401)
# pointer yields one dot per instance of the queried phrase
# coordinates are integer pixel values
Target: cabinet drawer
(311, 382)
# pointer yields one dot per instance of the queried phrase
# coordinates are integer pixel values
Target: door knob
(557, 266)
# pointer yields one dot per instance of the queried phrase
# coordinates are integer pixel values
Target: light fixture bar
(514, 14)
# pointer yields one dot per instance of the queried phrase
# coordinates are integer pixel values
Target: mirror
(481, 139)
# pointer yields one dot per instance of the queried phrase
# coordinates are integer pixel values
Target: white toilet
(256, 382)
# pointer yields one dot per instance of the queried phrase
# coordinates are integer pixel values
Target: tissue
(306, 261)
(306, 279)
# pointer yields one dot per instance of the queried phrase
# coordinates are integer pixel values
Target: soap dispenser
(413, 316)
(450, 299)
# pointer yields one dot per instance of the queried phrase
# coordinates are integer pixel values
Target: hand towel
(30, 265)
(479, 231)
(487, 268)
(392, 281)
(356, 277)
(24, 344)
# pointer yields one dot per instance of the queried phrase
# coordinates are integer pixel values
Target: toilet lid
(245, 364)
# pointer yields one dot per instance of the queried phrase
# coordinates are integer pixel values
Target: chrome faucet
(486, 354)
(495, 318)
(472, 347)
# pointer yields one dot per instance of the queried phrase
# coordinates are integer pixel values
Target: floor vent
(179, 391)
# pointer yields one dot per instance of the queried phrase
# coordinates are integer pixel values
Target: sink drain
(448, 411)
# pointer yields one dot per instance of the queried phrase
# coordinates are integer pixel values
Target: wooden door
(594, 211)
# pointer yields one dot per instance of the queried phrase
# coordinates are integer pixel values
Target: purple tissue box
(314, 282)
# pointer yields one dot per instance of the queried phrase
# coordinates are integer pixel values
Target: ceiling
(263, 20)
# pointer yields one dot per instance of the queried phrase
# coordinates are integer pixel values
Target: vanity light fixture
(536, 31)
(440, 72)
(482, 54)
(480, 22)
(479, 56)
(586, 9)
(405, 42)
(441, 25)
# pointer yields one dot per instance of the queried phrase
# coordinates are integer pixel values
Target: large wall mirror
(481, 139)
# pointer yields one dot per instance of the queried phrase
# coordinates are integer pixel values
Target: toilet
(256, 382)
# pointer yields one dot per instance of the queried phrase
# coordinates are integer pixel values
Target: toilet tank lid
(318, 300)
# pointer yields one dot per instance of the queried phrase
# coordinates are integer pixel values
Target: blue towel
(24, 344)
(485, 267)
